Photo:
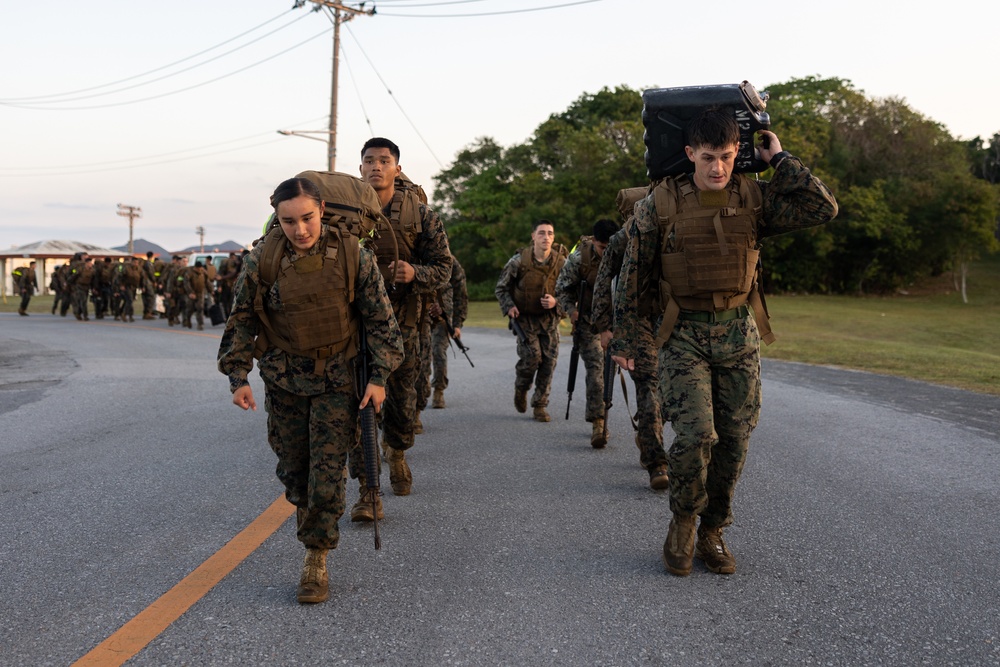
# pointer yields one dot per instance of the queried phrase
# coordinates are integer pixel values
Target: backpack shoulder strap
(270, 257)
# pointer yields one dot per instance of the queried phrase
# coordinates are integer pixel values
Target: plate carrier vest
(535, 281)
(400, 233)
(708, 254)
(317, 293)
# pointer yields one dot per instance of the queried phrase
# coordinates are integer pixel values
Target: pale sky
(200, 147)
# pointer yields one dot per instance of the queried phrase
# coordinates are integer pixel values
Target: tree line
(914, 201)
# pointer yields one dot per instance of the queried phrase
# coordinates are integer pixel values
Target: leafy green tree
(569, 171)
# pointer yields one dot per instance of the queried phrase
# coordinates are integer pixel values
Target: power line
(172, 92)
(509, 11)
(388, 90)
(144, 161)
(153, 71)
(357, 91)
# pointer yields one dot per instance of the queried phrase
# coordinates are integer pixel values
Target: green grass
(927, 334)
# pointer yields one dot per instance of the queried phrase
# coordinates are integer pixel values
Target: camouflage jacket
(27, 283)
(195, 281)
(793, 200)
(295, 373)
(611, 263)
(505, 296)
(454, 296)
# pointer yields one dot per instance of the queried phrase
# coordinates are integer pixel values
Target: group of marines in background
(112, 286)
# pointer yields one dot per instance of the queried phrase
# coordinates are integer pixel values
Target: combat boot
(542, 415)
(314, 585)
(597, 437)
(678, 549)
(658, 478)
(521, 399)
(438, 401)
(362, 510)
(399, 472)
(418, 426)
(713, 551)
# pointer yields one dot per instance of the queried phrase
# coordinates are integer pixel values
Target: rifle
(518, 331)
(609, 386)
(574, 355)
(369, 438)
(457, 339)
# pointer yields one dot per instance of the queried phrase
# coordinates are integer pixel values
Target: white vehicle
(217, 258)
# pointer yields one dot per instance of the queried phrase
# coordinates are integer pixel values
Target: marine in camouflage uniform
(58, 287)
(645, 375)
(310, 398)
(525, 292)
(575, 292)
(26, 284)
(708, 341)
(81, 278)
(102, 287)
(126, 280)
(148, 288)
(195, 288)
(418, 238)
(451, 307)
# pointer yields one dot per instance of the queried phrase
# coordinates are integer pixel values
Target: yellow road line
(154, 619)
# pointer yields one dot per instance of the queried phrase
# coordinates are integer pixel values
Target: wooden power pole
(130, 212)
(339, 13)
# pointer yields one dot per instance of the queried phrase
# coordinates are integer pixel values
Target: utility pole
(201, 233)
(340, 13)
(130, 212)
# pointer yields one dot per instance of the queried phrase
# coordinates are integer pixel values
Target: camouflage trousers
(710, 383)
(649, 436)
(424, 370)
(195, 306)
(81, 295)
(593, 362)
(148, 298)
(536, 361)
(399, 412)
(311, 436)
(127, 302)
(440, 341)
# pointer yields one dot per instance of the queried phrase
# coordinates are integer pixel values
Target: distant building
(48, 255)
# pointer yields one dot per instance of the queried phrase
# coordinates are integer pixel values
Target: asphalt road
(865, 522)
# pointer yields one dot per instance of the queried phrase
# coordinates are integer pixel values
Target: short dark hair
(296, 187)
(149, 253)
(381, 142)
(604, 229)
(198, 264)
(542, 221)
(714, 127)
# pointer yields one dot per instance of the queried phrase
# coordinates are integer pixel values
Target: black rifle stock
(369, 436)
(518, 331)
(574, 355)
